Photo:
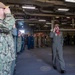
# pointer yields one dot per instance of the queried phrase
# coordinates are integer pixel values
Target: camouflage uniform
(7, 51)
(19, 44)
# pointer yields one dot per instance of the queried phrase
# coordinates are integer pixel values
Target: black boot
(55, 67)
(63, 71)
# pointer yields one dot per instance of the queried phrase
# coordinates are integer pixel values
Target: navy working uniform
(7, 51)
(30, 42)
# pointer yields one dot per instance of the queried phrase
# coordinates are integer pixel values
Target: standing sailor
(57, 47)
(7, 51)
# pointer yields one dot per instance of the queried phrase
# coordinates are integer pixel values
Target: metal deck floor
(39, 62)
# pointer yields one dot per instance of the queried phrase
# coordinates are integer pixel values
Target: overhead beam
(73, 30)
(48, 15)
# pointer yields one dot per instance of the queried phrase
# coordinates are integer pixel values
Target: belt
(4, 30)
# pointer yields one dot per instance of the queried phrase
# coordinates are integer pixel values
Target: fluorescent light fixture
(42, 20)
(22, 31)
(48, 23)
(28, 7)
(63, 23)
(68, 17)
(70, 1)
(57, 16)
(63, 9)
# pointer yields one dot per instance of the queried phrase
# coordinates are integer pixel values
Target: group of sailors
(29, 41)
(24, 41)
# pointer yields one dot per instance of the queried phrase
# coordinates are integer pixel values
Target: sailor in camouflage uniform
(7, 51)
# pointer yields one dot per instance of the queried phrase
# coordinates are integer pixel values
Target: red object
(57, 30)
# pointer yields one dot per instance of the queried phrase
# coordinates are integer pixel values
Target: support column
(73, 22)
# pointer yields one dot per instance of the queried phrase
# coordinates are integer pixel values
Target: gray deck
(39, 62)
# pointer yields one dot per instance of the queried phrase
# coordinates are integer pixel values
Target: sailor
(7, 51)
(57, 47)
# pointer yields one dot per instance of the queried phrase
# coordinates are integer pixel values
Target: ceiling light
(48, 23)
(42, 20)
(28, 7)
(57, 16)
(63, 23)
(63, 9)
(68, 17)
(22, 31)
(70, 1)
(32, 19)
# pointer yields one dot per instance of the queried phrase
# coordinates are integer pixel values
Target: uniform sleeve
(7, 23)
(14, 31)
